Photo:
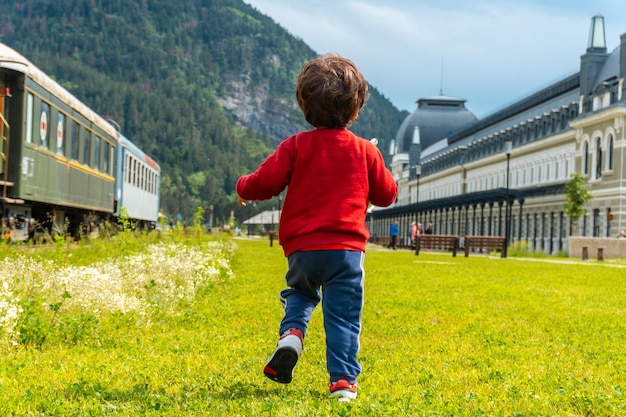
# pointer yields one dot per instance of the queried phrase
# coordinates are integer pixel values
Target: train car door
(15, 217)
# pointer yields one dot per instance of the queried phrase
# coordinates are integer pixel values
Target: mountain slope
(205, 86)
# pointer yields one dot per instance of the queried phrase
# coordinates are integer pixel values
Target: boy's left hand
(241, 201)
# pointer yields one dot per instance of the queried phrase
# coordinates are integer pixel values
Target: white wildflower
(162, 277)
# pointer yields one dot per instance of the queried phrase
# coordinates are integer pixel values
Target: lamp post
(418, 174)
(272, 231)
(249, 216)
(508, 147)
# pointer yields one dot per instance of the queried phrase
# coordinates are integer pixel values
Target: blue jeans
(334, 277)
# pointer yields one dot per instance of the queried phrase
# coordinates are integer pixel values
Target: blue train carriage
(57, 155)
(137, 185)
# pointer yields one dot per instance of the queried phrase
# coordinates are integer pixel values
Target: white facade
(574, 125)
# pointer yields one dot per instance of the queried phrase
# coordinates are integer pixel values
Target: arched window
(598, 158)
(586, 158)
(609, 155)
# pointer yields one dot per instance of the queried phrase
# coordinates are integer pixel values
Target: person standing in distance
(331, 176)
(393, 234)
(415, 232)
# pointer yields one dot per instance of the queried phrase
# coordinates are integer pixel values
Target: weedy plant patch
(182, 324)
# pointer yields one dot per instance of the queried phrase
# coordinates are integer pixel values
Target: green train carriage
(57, 166)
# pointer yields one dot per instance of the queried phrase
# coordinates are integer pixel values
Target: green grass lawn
(442, 336)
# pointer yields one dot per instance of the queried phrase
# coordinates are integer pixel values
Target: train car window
(35, 126)
(43, 124)
(105, 157)
(60, 132)
(111, 159)
(67, 137)
(74, 145)
(127, 168)
(96, 153)
(135, 175)
(52, 136)
(86, 146)
(81, 143)
(29, 118)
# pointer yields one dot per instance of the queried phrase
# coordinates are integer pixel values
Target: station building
(462, 174)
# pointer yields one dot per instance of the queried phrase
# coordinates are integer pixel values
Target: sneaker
(280, 366)
(343, 390)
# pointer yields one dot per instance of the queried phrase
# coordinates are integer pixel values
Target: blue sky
(489, 52)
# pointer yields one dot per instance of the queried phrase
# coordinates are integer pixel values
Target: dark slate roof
(560, 94)
(437, 117)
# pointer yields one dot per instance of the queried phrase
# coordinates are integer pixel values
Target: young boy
(331, 176)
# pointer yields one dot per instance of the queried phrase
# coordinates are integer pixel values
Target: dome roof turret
(435, 118)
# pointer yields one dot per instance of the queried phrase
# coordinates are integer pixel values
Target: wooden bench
(484, 242)
(440, 242)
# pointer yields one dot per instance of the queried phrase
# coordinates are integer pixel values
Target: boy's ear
(355, 115)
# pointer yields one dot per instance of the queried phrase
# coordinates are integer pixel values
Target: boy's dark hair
(330, 91)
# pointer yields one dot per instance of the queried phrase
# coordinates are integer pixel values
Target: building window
(586, 158)
(596, 222)
(609, 156)
(598, 159)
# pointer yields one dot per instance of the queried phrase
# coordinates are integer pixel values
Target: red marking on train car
(152, 163)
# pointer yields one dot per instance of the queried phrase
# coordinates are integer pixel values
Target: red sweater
(331, 175)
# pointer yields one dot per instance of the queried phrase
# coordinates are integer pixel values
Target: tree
(577, 196)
